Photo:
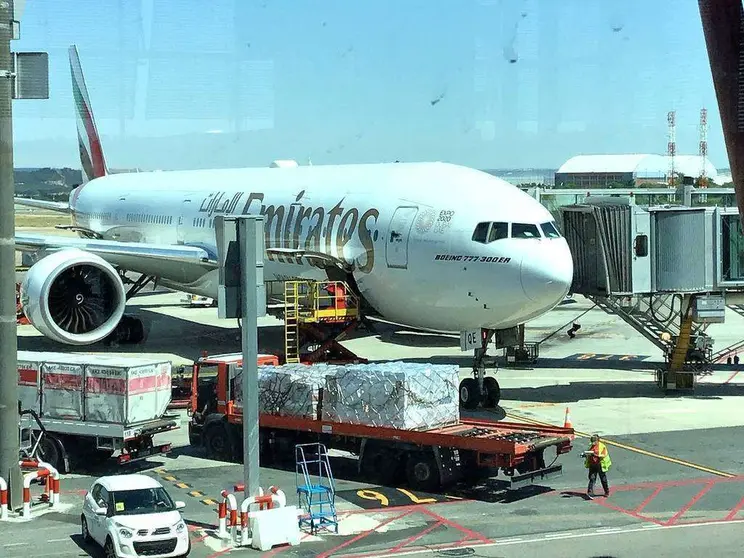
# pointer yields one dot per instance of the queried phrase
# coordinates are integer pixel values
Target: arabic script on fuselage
(300, 227)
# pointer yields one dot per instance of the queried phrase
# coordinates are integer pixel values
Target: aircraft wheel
(493, 392)
(469, 393)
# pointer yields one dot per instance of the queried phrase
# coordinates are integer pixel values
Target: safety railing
(265, 519)
(43, 471)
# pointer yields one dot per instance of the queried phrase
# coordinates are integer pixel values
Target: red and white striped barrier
(274, 499)
(51, 475)
(3, 499)
(222, 514)
(230, 504)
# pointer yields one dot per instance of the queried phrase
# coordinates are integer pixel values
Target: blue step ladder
(316, 489)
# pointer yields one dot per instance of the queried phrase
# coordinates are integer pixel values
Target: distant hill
(46, 183)
(49, 183)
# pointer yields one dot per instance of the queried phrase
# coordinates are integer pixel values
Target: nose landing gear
(480, 389)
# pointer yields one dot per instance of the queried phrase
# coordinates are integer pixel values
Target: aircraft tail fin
(91, 152)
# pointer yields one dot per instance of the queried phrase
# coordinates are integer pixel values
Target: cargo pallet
(427, 459)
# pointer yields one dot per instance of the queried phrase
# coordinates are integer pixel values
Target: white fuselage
(406, 230)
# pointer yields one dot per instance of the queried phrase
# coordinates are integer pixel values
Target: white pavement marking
(559, 535)
(567, 535)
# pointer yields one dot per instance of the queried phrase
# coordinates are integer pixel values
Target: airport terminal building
(605, 171)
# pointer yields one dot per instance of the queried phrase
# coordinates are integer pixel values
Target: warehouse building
(626, 171)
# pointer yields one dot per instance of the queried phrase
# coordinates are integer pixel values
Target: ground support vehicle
(79, 409)
(426, 459)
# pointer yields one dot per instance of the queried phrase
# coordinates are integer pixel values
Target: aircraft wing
(62, 207)
(150, 259)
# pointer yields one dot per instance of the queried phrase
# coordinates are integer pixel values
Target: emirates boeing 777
(429, 245)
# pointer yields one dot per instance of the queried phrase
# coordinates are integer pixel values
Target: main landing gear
(480, 389)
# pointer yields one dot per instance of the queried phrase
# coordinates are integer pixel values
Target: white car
(133, 515)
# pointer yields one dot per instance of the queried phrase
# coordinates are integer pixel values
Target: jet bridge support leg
(480, 389)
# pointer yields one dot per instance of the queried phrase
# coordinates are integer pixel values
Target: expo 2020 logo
(425, 221)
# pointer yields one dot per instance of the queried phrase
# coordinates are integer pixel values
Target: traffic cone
(567, 420)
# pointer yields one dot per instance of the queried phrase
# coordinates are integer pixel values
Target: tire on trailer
(422, 472)
(379, 465)
(470, 395)
(217, 441)
(493, 392)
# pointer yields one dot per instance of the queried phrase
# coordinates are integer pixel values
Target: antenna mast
(703, 149)
(671, 144)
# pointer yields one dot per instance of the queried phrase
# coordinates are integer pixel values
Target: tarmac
(677, 480)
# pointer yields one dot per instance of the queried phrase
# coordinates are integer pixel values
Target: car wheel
(109, 551)
(84, 530)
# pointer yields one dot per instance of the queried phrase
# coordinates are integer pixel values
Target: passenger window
(498, 231)
(523, 230)
(481, 232)
(549, 230)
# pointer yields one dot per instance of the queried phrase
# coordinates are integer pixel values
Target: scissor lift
(321, 313)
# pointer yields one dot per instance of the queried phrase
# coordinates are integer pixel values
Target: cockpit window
(481, 232)
(498, 231)
(550, 230)
(524, 230)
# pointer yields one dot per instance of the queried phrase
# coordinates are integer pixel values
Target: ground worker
(598, 462)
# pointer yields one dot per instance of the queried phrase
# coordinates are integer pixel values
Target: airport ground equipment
(317, 316)
(21, 318)
(80, 409)
(316, 488)
(668, 271)
(184, 382)
(426, 459)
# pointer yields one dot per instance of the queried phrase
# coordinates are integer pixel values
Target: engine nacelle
(73, 297)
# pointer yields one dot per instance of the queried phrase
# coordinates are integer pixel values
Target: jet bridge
(668, 271)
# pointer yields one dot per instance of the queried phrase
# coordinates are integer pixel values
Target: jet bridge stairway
(649, 267)
(317, 316)
(660, 319)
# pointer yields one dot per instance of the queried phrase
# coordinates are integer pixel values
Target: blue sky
(178, 84)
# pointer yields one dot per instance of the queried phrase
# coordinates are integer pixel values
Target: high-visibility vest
(604, 457)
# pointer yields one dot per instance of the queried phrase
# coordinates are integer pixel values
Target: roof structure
(641, 165)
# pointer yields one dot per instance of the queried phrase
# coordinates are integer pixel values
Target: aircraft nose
(547, 273)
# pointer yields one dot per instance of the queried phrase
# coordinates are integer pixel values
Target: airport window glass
(481, 232)
(549, 230)
(525, 230)
(498, 231)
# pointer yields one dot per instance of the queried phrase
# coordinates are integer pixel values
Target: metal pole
(9, 468)
(251, 238)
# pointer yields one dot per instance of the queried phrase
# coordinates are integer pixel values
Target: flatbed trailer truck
(80, 409)
(426, 459)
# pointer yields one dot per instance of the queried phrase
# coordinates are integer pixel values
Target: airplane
(430, 245)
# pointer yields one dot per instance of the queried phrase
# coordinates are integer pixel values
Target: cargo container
(83, 408)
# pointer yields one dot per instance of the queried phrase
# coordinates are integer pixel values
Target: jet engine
(73, 297)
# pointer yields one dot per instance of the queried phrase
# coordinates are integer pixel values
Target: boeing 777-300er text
(429, 245)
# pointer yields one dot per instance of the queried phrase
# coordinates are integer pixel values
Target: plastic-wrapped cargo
(393, 394)
(96, 388)
(287, 390)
